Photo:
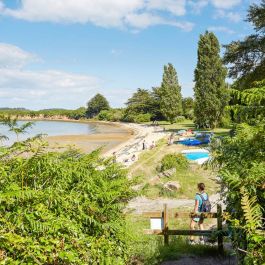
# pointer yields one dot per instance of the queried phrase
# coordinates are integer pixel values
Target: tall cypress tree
(170, 94)
(211, 95)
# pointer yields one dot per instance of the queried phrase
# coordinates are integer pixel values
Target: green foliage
(226, 120)
(14, 126)
(211, 95)
(188, 107)
(170, 94)
(240, 161)
(46, 113)
(141, 102)
(180, 119)
(174, 161)
(96, 104)
(142, 118)
(246, 58)
(250, 103)
(111, 115)
(61, 208)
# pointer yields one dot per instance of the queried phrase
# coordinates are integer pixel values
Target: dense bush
(111, 115)
(170, 161)
(240, 161)
(226, 120)
(61, 208)
(179, 119)
(142, 118)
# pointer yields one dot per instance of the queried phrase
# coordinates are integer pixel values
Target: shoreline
(125, 142)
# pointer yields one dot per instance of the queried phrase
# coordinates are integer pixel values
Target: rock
(160, 175)
(169, 172)
(172, 185)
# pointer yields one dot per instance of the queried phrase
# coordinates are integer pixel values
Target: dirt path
(142, 204)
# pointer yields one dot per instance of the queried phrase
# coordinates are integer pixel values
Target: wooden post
(220, 228)
(165, 225)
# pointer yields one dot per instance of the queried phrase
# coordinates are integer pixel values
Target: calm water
(196, 155)
(51, 128)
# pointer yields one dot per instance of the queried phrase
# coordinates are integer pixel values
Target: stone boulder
(167, 173)
(172, 185)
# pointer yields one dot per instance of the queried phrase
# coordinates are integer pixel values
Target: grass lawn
(149, 249)
(189, 124)
(145, 171)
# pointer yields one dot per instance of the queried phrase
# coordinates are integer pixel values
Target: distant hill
(14, 109)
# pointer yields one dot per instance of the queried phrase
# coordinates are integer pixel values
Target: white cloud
(106, 13)
(221, 29)
(231, 16)
(12, 56)
(144, 20)
(40, 89)
(197, 6)
(225, 4)
(176, 7)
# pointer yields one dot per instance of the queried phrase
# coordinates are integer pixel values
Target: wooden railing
(166, 232)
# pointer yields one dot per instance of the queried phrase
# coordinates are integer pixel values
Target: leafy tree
(96, 104)
(249, 104)
(170, 94)
(211, 95)
(188, 106)
(247, 57)
(141, 102)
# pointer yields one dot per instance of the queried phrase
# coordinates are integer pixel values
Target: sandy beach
(125, 139)
(107, 136)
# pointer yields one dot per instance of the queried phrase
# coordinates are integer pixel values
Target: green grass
(188, 179)
(189, 124)
(145, 171)
(149, 249)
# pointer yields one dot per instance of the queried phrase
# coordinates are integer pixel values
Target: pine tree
(211, 94)
(170, 94)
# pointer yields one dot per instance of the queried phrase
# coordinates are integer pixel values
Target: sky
(60, 53)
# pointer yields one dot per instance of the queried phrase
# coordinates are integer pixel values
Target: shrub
(170, 161)
(179, 119)
(61, 208)
(111, 115)
(104, 115)
(142, 118)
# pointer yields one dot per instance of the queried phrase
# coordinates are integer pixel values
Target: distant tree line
(207, 109)
(45, 113)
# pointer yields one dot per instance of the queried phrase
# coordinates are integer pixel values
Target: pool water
(197, 155)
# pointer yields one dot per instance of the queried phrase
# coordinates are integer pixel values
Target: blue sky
(59, 53)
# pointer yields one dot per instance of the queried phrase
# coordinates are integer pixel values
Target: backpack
(206, 205)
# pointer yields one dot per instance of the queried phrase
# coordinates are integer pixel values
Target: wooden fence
(166, 232)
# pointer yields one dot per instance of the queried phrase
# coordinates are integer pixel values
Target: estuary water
(50, 128)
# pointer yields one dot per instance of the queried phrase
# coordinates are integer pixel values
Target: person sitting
(133, 158)
(152, 145)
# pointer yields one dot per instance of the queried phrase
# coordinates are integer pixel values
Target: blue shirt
(198, 198)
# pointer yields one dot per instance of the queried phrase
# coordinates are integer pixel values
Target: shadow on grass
(178, 247)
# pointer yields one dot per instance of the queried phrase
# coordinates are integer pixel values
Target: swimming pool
(199, 156)
(196, 155)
